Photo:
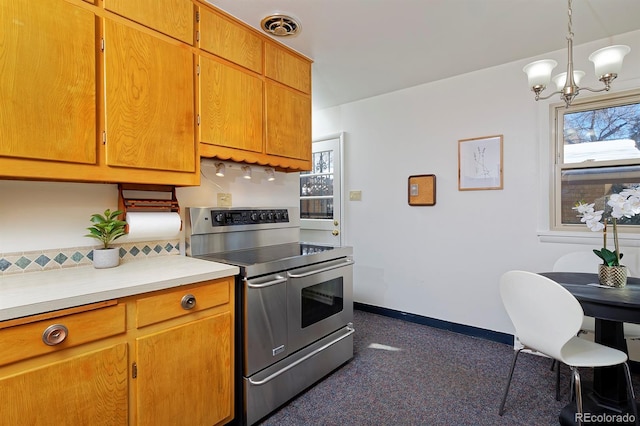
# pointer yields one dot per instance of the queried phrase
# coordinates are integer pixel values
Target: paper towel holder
(144, 204)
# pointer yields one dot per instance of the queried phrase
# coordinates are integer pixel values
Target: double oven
(294, 304)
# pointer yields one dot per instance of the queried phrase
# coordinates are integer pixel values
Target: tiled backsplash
(17, 263)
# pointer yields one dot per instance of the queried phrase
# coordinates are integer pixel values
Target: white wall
(49, 215)
(445, 261)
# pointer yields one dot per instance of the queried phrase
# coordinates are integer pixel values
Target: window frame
(557, 112)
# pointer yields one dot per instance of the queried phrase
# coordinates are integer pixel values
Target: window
(316, 188)
(597, 153)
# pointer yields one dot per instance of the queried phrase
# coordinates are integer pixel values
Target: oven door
(320, 301)
(265, 322)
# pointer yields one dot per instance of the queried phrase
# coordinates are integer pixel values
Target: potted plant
(626, 203)
(106, 228)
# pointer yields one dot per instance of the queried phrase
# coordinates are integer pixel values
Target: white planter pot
(106, 258)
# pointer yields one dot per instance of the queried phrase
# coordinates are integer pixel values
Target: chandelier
(607, 63)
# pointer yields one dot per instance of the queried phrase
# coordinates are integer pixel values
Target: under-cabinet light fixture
(270, 174)
(246, 172)
(220, 169)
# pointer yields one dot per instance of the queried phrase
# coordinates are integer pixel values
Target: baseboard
(468, 330)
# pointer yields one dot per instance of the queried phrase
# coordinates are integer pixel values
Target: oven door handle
(317, 271)
(350, 331)
(278, 280)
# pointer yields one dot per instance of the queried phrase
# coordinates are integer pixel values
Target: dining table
(611, 307)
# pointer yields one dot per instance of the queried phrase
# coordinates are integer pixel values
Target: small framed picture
(422, 190)
(480, 163)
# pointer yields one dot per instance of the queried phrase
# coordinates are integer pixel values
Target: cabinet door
(48, 83)
(174, 18)
(149, 91)
(230, 106)
(185, 374)
(288, 132)
(230, 40)
(89, 389)
(287, 68)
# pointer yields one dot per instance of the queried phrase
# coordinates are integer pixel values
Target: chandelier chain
(570, 23)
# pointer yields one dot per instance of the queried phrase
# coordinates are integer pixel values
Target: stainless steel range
(294, 306)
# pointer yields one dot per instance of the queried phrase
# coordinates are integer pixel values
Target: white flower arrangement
(626, 203)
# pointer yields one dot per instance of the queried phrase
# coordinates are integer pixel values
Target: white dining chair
(547, 319)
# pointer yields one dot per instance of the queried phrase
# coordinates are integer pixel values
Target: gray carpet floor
(409, 374)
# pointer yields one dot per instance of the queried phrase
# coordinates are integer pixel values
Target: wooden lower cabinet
(151, 359)
(183, 374)
(183, 356)
(79, 378)
(87, 389)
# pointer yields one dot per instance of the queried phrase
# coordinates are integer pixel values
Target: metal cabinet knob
(55, 334)
(335, 232)
(188, 301)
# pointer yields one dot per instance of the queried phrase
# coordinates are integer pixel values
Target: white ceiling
(363, 48)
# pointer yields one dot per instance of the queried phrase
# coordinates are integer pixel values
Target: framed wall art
(480, 163)
(422, 190)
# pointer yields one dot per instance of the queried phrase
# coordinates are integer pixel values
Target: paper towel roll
(153, 225)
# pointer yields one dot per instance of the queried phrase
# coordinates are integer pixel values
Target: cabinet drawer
(26, 341)
(184, 301)
(285, 67)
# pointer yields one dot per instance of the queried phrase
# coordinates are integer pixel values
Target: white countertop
(38, 292)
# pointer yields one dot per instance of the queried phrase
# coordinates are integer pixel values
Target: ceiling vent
(280, 25)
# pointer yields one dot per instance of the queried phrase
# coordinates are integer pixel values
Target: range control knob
(263, 216)
(219, 217)
(254, 216)
(285, 216)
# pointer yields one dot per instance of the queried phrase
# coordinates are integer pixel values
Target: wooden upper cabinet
(150, 107)
(288, 122)
(174, 18)
(230, 106)
(48, 83)
(287, 68)
(230, 40)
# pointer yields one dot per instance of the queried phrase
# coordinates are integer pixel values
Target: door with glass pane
(321, 195)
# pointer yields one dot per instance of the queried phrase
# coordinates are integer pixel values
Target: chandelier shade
(609, 59)
(560, 80)
(539, 72)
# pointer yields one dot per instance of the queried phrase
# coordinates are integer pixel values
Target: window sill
(591, 239)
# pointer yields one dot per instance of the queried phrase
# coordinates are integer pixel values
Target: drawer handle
(55, 334)
(188, 301)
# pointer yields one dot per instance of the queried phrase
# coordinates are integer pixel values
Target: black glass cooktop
(269, 259)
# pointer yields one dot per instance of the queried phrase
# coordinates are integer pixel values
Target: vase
(106, 258)
(612, 276)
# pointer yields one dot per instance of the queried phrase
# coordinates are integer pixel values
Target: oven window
(321, 301)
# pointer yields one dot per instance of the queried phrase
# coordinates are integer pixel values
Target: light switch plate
(224, 199)
(355, 195)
